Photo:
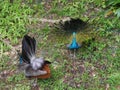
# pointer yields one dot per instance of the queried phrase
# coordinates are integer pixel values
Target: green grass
(97, 62)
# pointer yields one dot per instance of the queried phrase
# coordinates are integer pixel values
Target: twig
(44, 20)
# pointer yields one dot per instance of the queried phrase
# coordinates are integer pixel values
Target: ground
(96, 65)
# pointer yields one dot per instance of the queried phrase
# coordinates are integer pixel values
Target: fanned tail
(28, 48)
(31, 65)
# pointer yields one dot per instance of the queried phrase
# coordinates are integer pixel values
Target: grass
(96, 66)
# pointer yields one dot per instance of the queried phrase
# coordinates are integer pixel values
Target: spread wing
(28, 48)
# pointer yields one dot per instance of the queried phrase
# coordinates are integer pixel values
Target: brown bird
(32, 66)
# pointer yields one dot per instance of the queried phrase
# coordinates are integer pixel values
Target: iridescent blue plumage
(20, 59)
(74, 44)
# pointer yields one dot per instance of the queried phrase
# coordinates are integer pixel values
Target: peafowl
(74, 45)
(32, 66)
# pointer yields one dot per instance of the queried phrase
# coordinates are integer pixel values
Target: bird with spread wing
(32, 66)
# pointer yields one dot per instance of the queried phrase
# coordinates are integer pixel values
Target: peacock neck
(74, 38)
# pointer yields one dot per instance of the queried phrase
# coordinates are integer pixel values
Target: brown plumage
(32, 66)
(45, 68)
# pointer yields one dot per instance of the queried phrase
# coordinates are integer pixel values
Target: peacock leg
(35, 85)
(35, 82)
(74, 53)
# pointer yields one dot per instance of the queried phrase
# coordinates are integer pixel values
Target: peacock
(74, 45)
(70, 28)
(32, 66)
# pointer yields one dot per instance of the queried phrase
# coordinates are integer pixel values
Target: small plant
(13, 18)
(114, 6)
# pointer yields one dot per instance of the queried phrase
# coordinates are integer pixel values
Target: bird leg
(74, 53)
(35, 82)
(34, 85)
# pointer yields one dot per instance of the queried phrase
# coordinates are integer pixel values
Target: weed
(98, 56)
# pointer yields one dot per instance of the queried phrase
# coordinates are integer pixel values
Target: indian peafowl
(74, 45)
(69, 27)
(32, 66)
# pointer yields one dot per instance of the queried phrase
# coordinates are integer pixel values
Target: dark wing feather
(47, 62)
(28, 48)
(31, 42)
